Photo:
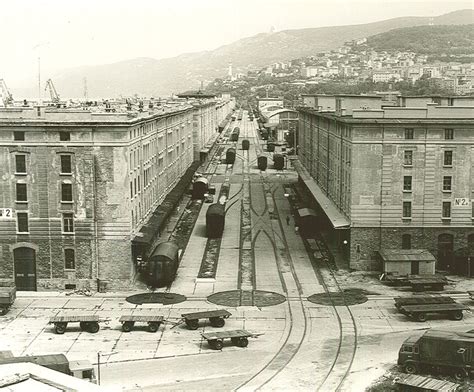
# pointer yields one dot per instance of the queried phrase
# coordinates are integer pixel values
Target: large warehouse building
(77, 185)
(392, 178)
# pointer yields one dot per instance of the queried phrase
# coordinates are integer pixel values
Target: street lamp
(99, 354)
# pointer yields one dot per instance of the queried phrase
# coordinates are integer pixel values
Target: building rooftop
(430, 113)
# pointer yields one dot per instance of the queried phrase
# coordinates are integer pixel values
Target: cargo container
(230, 156)
(262, 162)
(215, 220)
(200, 188)
(440, 352)
(278, 161)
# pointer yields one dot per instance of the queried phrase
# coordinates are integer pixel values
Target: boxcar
(215, 220)
(262, 162)
(162, 265)
(200, 188)
(230, 156)
(278, 161)
(270, 147)
(234, 137)
(245, 144)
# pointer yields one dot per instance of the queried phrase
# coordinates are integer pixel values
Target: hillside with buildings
(413, 60)
(152, 77)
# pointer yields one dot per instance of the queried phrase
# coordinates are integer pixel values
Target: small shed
(408, 261)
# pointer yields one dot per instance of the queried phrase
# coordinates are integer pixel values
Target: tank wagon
(162, 264)
(245, 144)
(262, 162)
(200, 188)
(278, 161)
(230, 156)
(215, 220)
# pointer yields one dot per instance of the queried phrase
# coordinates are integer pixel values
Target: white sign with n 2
(6, 213)
(462, 202)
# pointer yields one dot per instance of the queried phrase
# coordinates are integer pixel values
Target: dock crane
(7, 97)
(52, 92)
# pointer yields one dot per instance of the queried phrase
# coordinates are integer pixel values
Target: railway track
(270, 226)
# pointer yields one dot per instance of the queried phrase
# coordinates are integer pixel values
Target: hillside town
(356, 63)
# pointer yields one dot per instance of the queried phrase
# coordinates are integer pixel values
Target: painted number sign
(462, 202)
(6, 213)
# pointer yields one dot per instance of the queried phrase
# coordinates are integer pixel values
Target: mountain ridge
(151, 77)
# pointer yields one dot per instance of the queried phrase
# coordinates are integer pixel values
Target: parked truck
(439, 352)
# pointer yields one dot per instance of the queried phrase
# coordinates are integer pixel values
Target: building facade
(76, 186)
(394, 178)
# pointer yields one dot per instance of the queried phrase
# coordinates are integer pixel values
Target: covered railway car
(230, 156)
(262, 162)
(245, 144)
(162, 264)
(200, 188)
(278, 161)
(215, 220)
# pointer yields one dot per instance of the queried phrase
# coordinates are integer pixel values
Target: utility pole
(86, 94)
(39, 80)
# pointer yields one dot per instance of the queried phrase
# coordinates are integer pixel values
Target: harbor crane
(52, 92)
(7, 97)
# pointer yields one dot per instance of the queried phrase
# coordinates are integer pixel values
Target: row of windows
(447, 158)
(65, 160)
(445, 210)
(22, 193)
(447, 183)
(23, 224)
(64, 136)
(448, 133)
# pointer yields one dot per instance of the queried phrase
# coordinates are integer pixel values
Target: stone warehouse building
(76, 186)
(393, 178)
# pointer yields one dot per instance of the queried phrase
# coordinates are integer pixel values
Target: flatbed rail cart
(419, 312)
(238, 337)
(7, 298)
(87, 322)
(409, 280)
(422, 300)
(422, 284)
(422, 383)
(153, 321)
(216, 318)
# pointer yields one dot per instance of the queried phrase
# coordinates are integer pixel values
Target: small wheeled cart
(238, 337)
(216, 318)
(87, 322)
(153, 321)
(7, 298)
(419, 312)
(422, 300)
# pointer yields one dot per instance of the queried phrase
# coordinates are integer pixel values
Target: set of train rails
(266, 225)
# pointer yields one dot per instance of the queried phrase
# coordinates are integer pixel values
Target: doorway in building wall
(445, 252)
(25, 269)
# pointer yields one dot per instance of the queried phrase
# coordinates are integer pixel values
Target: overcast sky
(87, 32)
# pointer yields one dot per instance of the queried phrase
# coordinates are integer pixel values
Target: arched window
(406, 241)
